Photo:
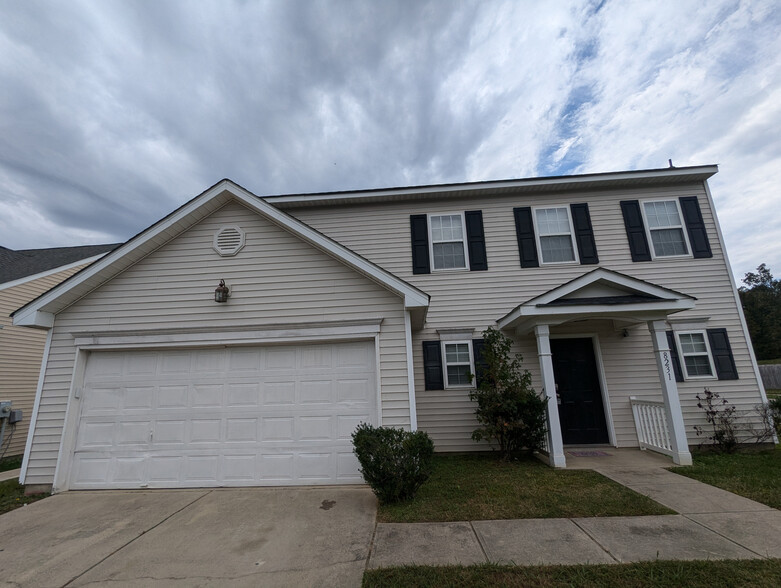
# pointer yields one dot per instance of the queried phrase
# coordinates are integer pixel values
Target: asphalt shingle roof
(27, 262)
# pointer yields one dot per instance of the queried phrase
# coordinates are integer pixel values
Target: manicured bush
(510, 412)
(394, 462)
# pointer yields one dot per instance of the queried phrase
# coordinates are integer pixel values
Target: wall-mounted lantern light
(221, 293)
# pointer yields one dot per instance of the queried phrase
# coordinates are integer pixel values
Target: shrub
(509, 411)
(720, 415)
(394, 462)
(774, 408)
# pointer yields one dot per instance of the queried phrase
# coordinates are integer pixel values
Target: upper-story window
(448, 241)
(665, 228)
(554, 235)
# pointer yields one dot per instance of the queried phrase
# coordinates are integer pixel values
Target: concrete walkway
(9, 475)
(711, 524)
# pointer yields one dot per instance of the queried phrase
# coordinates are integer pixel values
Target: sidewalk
(712, 524)
(9, 475)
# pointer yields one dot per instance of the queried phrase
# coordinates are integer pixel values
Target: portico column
(555, 443)
(672, 403)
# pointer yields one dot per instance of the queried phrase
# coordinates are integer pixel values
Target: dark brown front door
(581, 412)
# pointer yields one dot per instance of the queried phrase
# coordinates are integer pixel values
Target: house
(240, 340)
(25, 275)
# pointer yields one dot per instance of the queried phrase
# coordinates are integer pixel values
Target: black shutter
(722, 354)
(695, 226)
(432, 365)
(584, 234)
(635, 230)
(475, 239)
(477, 353)
(674, 356)
(419, 232)
(524, 229)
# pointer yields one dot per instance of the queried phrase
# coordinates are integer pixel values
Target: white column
(672, 403)
(555, 444)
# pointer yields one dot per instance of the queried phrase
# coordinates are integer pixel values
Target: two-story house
(240, 340)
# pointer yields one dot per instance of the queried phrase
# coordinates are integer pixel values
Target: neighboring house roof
(40, 312)
(18, 264)
(608, 180)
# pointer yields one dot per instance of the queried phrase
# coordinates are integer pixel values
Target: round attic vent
(228, 240)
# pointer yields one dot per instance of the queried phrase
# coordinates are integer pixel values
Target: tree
(761, 299)
(509, 411)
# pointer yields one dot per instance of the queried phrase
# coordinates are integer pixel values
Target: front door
(581, 412)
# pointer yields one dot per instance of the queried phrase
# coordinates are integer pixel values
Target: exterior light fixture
(221, 292)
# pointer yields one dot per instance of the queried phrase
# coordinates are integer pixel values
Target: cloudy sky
(113, 113)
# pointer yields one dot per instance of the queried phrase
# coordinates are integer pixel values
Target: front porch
(574, 361)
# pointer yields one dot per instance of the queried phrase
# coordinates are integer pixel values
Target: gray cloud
(114, 113)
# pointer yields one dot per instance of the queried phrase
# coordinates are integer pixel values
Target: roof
(40, 312)
(606, 180)
(27, 262)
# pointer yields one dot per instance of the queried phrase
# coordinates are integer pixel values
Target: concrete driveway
(222, 537)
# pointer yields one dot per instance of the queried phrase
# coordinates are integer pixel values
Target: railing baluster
(651, 425)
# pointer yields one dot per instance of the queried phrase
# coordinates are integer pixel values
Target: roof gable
(40, 312)
(601, 293)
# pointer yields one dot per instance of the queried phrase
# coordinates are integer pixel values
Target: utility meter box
(15, 416)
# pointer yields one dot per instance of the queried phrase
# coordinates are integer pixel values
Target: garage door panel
(224, 417)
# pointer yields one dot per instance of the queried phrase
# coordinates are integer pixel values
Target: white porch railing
(651, 424)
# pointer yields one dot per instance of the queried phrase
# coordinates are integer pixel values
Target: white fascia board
(55, 270)
(612, 278)
(413, 298)
(590, 310)
(529, 183)
(37, 319)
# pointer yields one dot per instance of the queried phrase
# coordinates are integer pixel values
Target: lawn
(772, 393)
(753, 474)
(12, 496)
(480, 487)
(10, 463)
(693, 574)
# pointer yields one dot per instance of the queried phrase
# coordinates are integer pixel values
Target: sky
(114, 113)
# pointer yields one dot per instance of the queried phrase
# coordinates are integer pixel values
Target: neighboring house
(25, 275)
(369, 306)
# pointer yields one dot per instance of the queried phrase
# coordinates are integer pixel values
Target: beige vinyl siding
(21, 351)
(275, 279)
(465, 299)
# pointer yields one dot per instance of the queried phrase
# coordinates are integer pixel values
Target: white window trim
(684, 230)
(682, 357)
(537, 235)
(448, 385)
(463, 239)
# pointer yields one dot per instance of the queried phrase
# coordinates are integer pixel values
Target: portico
(628, 303)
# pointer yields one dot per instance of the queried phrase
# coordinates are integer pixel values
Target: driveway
(222, 537)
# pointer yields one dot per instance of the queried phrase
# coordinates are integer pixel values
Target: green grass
(693, 574)
(769, 361)
(772, 393)
(12, 496)
(755, 474)
(481, 487)
(10, 463)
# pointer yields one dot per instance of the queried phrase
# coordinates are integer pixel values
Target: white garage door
(240, 416)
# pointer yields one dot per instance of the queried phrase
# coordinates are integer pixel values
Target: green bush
(510, 413)
(394, 462)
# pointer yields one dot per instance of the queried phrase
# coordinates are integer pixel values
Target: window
(554, 235)
(665, 228)
(458, 363)
(448, 241)
(696, 355)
